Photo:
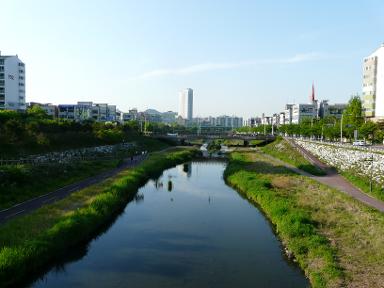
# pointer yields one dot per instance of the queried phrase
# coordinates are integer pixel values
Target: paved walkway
(332, 179)
(35, 203)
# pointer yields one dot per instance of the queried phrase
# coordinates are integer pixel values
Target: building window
(1, 68)
(1, 61)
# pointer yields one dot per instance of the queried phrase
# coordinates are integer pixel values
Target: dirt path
(332, 179)
(35, 203)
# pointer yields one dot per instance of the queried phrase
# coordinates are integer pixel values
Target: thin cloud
(226, 66)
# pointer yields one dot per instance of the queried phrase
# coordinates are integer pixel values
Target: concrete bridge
(184, 139)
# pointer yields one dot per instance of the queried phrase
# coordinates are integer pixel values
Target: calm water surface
(186, 229)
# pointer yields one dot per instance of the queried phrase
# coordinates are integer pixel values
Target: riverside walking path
(35, 203)
(332, 178)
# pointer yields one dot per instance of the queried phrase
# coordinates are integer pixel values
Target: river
(185, 229)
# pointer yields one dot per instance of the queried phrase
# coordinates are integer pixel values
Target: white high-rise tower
(186, 104)
(12, 83)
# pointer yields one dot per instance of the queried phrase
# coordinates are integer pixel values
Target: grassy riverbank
(30, 242)
(282, 150)
(335, 239)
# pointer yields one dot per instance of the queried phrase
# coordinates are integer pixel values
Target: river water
(185, 229)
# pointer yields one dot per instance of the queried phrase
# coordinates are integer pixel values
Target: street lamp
(341, 129)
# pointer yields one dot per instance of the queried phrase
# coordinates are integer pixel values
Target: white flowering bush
(348, 158)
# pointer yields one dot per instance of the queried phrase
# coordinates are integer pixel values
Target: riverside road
(35, 203)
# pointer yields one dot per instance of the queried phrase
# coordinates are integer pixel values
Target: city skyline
(241, 57)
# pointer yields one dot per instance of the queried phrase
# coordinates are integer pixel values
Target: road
(35, 203)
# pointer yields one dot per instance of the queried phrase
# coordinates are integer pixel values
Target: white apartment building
(87, 111)
(229, 121)
(373, 84)
(288, 114)
(186, 104)
(302, 111)
(12, 83)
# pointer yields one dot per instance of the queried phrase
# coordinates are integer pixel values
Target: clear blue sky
(240, 57)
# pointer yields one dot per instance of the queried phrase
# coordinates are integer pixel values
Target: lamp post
(341, 129)
(370, 159)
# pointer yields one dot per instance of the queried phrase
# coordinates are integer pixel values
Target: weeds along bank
(336, 240)
(30, 242)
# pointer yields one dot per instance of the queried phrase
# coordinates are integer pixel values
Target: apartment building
(373, 85)
(12, 83)
(87, 111)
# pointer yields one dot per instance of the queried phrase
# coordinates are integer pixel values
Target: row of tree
(330, 128)
(35, 131)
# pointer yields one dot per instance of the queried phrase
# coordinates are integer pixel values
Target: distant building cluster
(220, 121)
(149, 115)
(102, 112)
(296, 113)
(12, 97)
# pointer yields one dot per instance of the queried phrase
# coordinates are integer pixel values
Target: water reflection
(158, 183)
(139, 197)
(170, 186)
(186, 169)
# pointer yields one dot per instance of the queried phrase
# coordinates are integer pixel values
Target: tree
(352, 116)
(36, 112)
(368, 130)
